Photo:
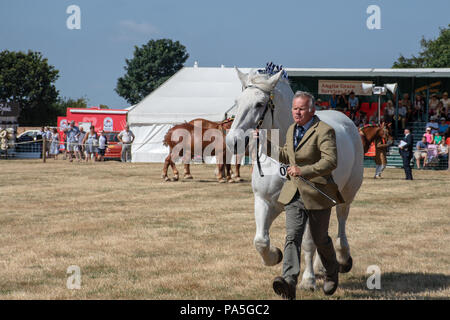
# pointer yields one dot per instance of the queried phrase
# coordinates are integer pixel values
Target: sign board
(342, 86)
(9, 109)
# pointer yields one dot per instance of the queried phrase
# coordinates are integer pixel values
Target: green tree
(151, 65)
(434, 54)
(28, 79)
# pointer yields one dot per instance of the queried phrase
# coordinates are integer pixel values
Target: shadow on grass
(396, 284)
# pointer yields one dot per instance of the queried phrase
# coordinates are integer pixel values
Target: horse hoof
(175, 178)
(238, 179)
(280, 255)
(188, 176)
(344, 268)
(230, 180)
(308, 284)
(166, 179)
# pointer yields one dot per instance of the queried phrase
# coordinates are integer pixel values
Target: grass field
(136, 237)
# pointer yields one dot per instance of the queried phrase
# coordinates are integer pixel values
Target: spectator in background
(64, 137)
(405, 101)
(443, 151)
(432, 104)
(402, 115)
(41, 132)
(48, 139)
(421, 152)
(389, 112)
(428, 135)
(81, 145)
(364, 120)
(90, 142)
(358, 118)
(419, 108)
(54, 146)
(445, 100)
(440, 110)
(353, 103)
(318, 105)
(72, 133)
(443, 126)
(433, 124)
(333, 102)
(126, 137)
(342, 102)
(102, 144)
(437, 138)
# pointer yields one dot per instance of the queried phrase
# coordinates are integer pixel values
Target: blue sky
(234, 33)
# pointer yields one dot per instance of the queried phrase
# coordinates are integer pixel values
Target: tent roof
(369, 72)
(190, 93)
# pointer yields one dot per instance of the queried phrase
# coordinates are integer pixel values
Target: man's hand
(294, 171)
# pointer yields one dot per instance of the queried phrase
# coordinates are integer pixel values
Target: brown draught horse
(372, 133)
(223, 166)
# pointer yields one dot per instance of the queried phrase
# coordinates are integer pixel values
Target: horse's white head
(251, 104)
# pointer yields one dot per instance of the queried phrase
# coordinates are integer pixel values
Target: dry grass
(136, 237)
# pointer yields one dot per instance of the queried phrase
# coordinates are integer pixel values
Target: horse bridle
(269, 105)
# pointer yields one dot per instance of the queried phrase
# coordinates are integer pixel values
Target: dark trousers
(296, 218)
(407, 156)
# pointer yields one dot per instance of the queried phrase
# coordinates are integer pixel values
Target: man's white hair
(304, 94)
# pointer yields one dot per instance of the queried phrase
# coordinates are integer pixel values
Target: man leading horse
(311, 153)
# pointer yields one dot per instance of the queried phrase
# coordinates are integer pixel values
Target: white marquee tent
(191, 93)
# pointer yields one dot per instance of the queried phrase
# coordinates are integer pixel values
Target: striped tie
(298, 136)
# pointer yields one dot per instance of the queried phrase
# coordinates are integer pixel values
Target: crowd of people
(408, 111)
(84, 146)
(433, 148)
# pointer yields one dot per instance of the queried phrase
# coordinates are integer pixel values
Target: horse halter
(269, 105)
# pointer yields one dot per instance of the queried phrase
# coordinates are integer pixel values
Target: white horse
(348, 175)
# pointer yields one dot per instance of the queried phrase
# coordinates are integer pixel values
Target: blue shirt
(297, 135)
(72, 134)
(333, 103)
(421, 145)
(443, 128)
(353, 102)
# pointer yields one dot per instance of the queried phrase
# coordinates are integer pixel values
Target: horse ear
(242, 76)
(273, 80)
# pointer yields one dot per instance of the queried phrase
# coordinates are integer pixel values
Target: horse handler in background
(380, 156)
(311, 152)
(126, 137)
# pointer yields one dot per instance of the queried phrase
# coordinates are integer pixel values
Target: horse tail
(168, 137)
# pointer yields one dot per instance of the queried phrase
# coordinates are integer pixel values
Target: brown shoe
(283, 288)
(331, 283)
